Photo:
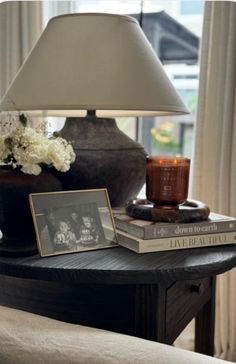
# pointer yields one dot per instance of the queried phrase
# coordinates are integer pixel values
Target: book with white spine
(174, 243)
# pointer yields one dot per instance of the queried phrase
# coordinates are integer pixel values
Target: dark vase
(105, 158)
(16, 222)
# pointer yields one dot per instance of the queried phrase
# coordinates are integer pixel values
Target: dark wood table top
(122, 266)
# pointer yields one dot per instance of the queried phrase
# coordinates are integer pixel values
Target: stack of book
(146, 236)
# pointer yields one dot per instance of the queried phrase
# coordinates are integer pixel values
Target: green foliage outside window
(164, 139)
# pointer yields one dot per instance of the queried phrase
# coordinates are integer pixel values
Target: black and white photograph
(67, 222)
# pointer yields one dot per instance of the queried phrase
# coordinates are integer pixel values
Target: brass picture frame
(72, 221)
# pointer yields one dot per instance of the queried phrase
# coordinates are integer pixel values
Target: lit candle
(167, 180)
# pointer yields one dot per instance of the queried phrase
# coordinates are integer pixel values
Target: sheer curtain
(20, 26)
(54, 8)
(214, 162)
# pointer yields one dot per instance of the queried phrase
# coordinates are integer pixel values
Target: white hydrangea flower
(61, 154)
(4, 151)
(29, 149)
(31, 169)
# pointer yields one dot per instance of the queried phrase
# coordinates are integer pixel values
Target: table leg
(205, 325)
(150, 305)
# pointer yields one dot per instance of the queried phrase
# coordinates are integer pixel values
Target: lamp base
(189, 211)
(105, 158)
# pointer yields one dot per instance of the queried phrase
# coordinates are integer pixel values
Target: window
(191, 7)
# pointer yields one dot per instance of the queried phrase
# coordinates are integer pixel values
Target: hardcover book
(143, 229)
(174, 243)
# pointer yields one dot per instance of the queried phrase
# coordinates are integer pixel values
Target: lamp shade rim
(121, 16)
(117, 110)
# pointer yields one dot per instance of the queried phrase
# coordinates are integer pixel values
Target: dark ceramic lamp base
(190, 211)
(105, 158)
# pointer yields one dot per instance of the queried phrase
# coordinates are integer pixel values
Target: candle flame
(175, 161)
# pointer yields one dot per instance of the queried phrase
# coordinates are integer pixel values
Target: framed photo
(72, 221)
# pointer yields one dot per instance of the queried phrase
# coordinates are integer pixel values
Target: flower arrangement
(25, 148)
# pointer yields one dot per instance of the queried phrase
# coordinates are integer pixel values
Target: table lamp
(91, 67)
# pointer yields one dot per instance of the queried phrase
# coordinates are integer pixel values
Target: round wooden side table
(153, 296)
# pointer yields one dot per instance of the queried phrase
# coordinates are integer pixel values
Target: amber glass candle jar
(167, 180)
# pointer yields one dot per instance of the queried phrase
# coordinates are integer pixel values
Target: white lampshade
(90, 61)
